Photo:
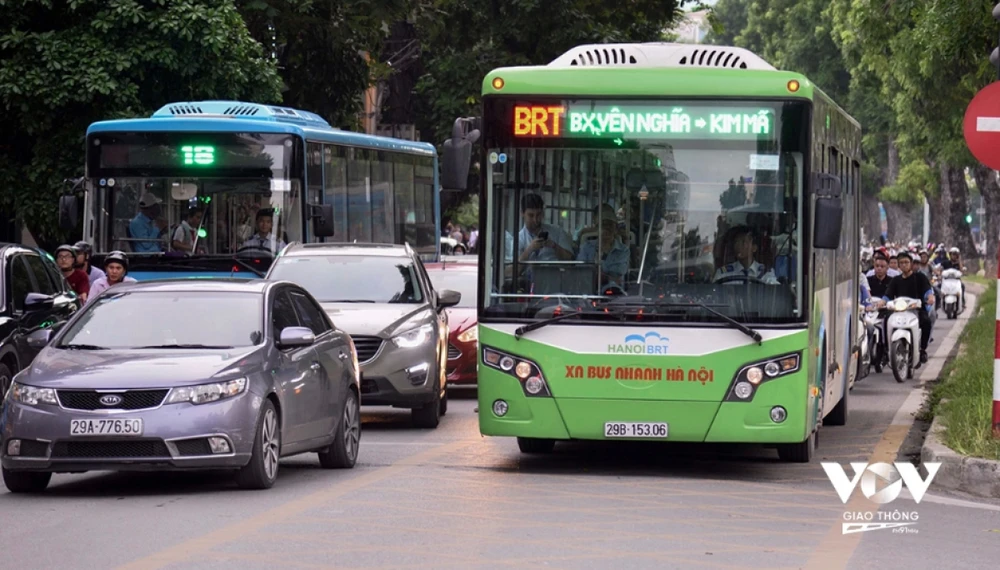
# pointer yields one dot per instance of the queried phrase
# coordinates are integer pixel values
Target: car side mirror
(37, 302)
(39, 339)
(293, 337)
(448, 298)
(322, 219)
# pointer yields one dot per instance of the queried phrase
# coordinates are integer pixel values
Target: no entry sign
(982, 126)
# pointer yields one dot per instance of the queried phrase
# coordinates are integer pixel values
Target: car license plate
(635, 429)
(106, 427)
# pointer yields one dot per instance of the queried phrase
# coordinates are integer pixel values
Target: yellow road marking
(195, 546)
(835, 550)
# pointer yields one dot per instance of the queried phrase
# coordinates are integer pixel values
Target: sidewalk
(970, 475)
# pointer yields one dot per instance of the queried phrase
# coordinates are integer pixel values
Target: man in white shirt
(186, 233)
(264, 239)
(744, 249)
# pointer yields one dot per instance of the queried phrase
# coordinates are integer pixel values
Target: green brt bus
(669, 250)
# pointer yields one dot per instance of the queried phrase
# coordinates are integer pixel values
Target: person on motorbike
(116, 271)
(83, 253)
(954, 261)
(915, 286)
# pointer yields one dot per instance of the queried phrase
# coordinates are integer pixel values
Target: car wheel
(26, 481)
(428, 416)
(6, 374)
(262, 470)
(343, 452)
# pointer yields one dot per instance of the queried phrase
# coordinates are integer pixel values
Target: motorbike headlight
(32, 396)
(899, 305)
(413, 338)
(205, 393)
(470, 335)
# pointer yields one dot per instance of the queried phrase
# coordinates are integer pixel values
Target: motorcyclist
(915, 286)
(66, 260)
(116, 267)
(83, 253)
(954, 261)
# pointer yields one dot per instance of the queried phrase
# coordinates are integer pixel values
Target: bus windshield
(645, 210)
(195, 193)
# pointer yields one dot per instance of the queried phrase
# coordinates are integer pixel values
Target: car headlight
(204, 393)
(470, 335)
(32, 396)
(413, 338)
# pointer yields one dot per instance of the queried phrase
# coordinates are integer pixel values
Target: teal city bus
(669, 250)
(234, 163)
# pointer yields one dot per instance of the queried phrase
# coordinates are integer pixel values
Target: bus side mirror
(322, 220)
(829, 219)
(69, 212)
(456, 157)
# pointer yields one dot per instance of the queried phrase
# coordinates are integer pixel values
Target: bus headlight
(526, 372)
(751, 376)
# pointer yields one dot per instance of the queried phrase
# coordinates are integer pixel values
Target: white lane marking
(988, 124)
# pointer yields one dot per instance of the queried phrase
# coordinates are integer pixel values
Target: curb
(972, 475)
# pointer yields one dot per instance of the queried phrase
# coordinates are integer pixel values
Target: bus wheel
(838, 415)
(799, 452)
(532, 445)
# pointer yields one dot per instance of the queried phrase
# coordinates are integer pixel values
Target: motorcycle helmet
(954, 250)
(83, 247)
(66, 247)
(117, 257)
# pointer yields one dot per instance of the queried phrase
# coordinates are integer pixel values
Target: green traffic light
(968, 218)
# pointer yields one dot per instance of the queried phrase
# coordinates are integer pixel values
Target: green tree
(729, 19)
(64, 65)
(327, 50)
(464, 39)
(929, 58)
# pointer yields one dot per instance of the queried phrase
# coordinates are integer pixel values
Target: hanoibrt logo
(881, 483)
(649, 343)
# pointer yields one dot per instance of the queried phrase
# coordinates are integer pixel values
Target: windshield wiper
(519, 332)
(184, 346)
(736, 324)
(82, 347)
(348, 301)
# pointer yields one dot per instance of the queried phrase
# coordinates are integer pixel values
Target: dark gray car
(184, 374)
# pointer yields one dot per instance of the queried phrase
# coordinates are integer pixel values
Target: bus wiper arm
(736, 324)
(539, 324)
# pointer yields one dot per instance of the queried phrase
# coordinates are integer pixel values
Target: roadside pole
(996, 364)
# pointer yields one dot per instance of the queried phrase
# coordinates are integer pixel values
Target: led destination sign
(643, 122)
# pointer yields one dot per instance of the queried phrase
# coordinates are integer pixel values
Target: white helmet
(954, 250)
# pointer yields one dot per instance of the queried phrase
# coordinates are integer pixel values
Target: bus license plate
(106, 427)
(635, 429)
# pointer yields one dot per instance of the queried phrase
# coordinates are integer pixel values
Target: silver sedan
(184, 374)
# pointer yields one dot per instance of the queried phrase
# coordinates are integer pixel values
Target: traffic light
(968, 218)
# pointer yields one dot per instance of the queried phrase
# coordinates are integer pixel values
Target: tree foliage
(465, 39)
(64, 65)
(321, 48)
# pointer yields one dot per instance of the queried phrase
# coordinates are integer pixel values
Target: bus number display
(642, 122)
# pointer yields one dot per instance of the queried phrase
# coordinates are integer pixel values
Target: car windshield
(352, 278)
(137, 319)
(462, 281)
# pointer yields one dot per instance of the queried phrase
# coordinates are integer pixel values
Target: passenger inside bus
(537, 240)
(185, 235)
(608, 248)
(264, 239)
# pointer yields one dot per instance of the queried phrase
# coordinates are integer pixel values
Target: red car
(463, 339)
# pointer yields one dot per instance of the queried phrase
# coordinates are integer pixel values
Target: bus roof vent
(241, 110)
(661, 55)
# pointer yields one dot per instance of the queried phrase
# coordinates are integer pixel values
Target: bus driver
(741, 245)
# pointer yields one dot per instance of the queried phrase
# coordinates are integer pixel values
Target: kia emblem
(111, 400)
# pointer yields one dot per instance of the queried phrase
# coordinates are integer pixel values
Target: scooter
(875, 325)
(903, 332)
(951, 289)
